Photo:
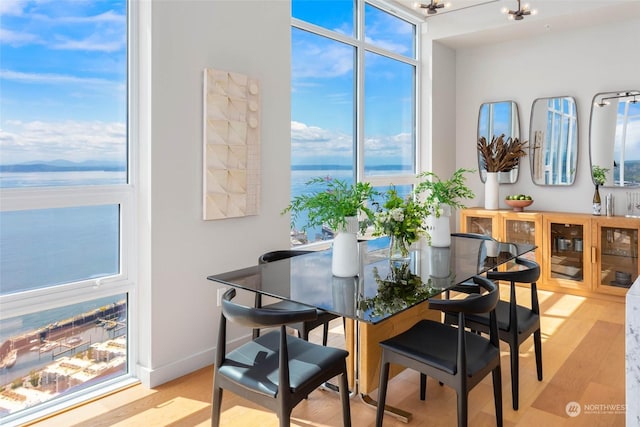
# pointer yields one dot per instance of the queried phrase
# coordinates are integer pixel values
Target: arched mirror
(553, 141)
(495, 119)
(614, 137)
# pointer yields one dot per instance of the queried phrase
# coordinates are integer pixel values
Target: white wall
(179, 250)
(576, 63)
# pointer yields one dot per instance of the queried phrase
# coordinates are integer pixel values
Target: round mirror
(553, 141)
(495, 119)
(614, 137)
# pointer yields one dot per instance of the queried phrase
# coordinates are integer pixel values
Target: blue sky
(323, 88)
(62, 80)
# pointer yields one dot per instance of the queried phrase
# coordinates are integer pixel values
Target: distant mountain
(389, 167)
(64, 166)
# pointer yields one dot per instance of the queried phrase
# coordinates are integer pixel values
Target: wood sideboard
(581, 254)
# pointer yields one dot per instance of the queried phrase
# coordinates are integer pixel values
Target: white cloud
(52, 78)
(69, 140)
(12, 7)
(14, 38)
(312, 60)
(104, 32)
(309, 142)
(88, 45)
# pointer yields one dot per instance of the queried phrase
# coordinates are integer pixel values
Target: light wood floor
(583, 362)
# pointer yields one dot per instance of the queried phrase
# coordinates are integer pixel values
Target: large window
(66, 202)
(354, 97)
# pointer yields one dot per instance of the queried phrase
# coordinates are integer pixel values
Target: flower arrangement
(500, 155)
(399, 290)
(438, 192)
(399, 217)
(331, 202)
(599, 175)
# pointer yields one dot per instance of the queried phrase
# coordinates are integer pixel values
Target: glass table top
(382, 288)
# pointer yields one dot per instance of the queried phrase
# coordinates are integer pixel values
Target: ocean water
(45, 247)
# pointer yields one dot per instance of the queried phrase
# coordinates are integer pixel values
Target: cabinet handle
(594, 254)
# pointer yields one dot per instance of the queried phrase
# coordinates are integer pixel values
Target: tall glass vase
(398, 248)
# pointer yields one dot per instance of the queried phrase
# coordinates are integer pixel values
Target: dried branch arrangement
(501, 155)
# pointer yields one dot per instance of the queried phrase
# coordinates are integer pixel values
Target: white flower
(397, 214)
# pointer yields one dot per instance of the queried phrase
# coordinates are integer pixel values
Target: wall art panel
(231, 182)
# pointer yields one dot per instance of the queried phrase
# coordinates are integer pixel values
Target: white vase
(345, 261)
(440, 228)
(491, 191)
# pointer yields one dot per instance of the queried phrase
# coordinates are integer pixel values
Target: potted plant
(439, 198)
(336, 204)
(402, 220)
(498, 156)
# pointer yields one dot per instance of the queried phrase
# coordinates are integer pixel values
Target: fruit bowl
(518, 205)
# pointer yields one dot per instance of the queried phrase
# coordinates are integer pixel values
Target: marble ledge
(632, 354)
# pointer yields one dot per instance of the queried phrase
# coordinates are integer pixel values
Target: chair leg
(325, 333)
(382, 390)
(285, 421)
(537, 343)
(344, 397)
(304, 333)
(423, 386)
(463, 399)
(215, 409)
(497, 394)
(515, 372)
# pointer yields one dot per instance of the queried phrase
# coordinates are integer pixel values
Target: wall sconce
(432, 8)
(520, 13)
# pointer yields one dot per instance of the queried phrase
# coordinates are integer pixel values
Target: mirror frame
(533, 144)
(594, 104)
(510, 177)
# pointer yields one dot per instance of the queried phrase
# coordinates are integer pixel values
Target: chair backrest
(280, 254)
(253, 317)
(474, 303)
(529, 274)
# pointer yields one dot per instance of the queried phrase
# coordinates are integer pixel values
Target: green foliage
(400, 217)
(399, 290)
(599, 174)
(449, 192)
(331, 205)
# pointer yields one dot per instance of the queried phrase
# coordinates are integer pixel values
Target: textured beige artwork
(231, 183)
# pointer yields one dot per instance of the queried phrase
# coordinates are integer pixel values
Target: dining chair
(450, 354)
(468, 286)
(276, 370)
(303, 328)
(516, 323)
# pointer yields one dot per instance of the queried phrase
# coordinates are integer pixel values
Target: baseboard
(153, 377)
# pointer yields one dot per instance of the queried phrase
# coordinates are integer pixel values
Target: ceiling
(468, 23)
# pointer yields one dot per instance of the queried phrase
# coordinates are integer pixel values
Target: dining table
(385, 298)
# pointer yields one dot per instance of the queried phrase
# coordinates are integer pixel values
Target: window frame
(361, 47)
(124, 195)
